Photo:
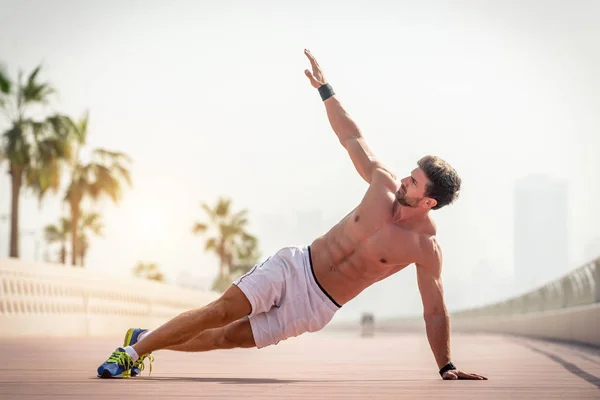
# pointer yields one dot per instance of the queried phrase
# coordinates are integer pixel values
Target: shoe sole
(107, 375)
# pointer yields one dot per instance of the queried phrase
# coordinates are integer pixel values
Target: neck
(408, 215)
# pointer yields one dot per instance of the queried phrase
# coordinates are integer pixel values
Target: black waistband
(316, 280)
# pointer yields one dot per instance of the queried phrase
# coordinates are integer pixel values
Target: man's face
(412, 189)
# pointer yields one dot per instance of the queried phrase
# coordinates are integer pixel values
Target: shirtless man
(299, 289)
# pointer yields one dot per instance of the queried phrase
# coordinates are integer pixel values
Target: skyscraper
(540, 231)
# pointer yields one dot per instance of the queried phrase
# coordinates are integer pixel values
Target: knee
(232, 305)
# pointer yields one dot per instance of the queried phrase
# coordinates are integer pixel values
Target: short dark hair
(444, 185)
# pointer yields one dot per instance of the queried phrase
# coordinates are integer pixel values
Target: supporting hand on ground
(456, 374)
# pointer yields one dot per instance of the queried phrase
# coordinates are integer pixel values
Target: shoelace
(121, 358)
(140, 362)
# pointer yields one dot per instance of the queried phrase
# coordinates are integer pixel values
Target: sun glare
(150, 220)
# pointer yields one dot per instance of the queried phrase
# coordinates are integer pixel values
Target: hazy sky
(210, 99)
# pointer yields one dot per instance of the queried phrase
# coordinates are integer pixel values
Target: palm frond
(123, 173)
(223, 206)
(211, 244)
(16, 149)
(211, 213)
(43, 178)
(111, 157)
(91, 222)
(58, 233)
(34, 91)
(105, 183)
(80, 129)
(51, 233)
(5, 82)
(199, 228)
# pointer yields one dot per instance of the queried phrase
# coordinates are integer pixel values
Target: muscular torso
(371, 243)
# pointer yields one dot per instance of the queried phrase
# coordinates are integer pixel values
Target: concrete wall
(58, 300)
(575, 324)
(566, 309)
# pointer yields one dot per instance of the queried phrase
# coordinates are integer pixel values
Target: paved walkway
(315, 366)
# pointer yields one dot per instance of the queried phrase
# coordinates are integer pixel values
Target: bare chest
(369, 239)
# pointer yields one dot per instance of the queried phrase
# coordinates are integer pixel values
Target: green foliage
(104, 175)
(235, 248)
(149, 271)
(34, 149)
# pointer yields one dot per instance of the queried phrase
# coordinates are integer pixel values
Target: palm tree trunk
(16, 175)
(82, 257)
(74, 232)
(63, 253)
(222, 257)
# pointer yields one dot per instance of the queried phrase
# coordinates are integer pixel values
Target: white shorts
(286, 298)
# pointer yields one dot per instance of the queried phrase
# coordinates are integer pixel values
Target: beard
(404, 200)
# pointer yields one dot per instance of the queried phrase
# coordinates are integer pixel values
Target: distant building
(540, 231)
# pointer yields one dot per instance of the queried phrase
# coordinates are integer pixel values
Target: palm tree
(102, 176)
(59, 234)
(33, 148)
(233, 245)
(149, 271)
(92, 223)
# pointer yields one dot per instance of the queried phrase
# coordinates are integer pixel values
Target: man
(299, 290)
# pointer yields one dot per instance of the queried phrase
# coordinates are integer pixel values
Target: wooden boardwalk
(315, 366)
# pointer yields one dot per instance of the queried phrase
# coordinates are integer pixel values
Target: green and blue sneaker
(117, 365)
(131, 337)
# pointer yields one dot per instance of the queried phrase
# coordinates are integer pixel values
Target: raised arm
(437, 321)
(344, 127)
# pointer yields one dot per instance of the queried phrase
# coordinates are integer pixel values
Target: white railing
(52, 300)
(577, 288)
(565, 309)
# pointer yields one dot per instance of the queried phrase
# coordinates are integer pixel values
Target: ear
(429, 202)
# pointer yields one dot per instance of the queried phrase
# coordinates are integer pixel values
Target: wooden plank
(325, 365)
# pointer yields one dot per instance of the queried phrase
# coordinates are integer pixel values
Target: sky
(209, 99)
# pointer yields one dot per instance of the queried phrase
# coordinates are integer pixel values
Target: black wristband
(447, 367)
(326, 91)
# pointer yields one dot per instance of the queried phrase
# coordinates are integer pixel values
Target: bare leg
(231, 306)
(236, 334)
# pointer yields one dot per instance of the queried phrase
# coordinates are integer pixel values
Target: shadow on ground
(569, 366)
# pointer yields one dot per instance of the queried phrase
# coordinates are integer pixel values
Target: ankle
(132, 353)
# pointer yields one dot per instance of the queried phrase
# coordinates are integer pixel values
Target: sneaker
(131, 337)
(117, 365)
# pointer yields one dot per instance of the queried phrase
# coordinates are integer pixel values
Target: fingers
(310, 76)
(316, 76)
(312, 59)
(464, 375)
(455, 374)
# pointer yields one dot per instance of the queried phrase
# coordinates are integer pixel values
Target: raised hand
(317, 79)
(456, 374)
